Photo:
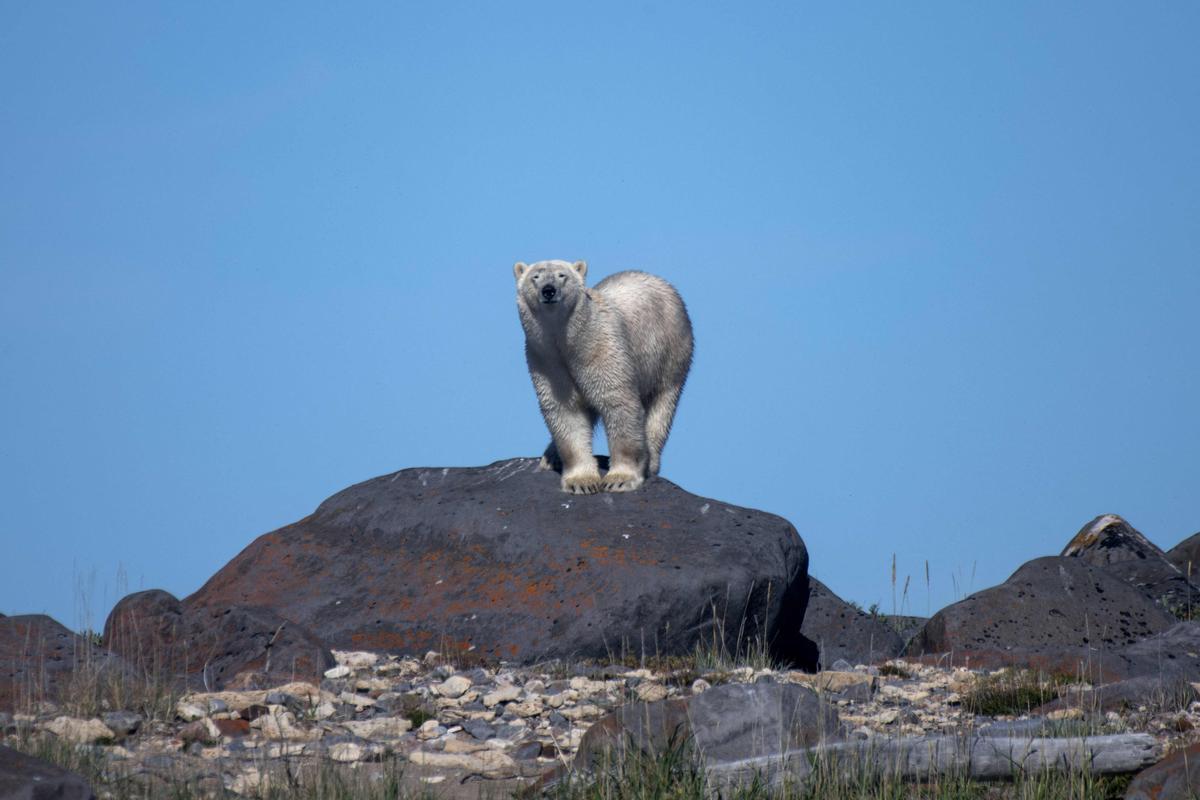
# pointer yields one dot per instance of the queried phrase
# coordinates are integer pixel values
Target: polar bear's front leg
(573, 441)
(625, 422)
(570, 422)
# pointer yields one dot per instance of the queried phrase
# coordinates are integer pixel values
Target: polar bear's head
(550, 287)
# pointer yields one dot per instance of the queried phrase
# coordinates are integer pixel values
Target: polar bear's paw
(581, 483)
(621, 480)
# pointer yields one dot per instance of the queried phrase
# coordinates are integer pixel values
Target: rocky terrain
(470, 629)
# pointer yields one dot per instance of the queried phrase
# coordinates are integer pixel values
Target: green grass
(1013, 692)
(675, 775)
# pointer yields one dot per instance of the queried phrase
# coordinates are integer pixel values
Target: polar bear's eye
(561, 275)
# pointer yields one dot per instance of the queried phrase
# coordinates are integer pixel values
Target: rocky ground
(312, 646)
(465, 730)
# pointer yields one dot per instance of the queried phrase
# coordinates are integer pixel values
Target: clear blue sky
(943, 261)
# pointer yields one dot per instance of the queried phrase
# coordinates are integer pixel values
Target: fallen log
(924, 758)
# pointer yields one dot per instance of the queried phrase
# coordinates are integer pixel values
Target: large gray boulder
(40, 658)
(1109, 542)
(498, 562)
(1049, 603)
(1186, 556)
(838, 630)
(724, 724)
(212, 647)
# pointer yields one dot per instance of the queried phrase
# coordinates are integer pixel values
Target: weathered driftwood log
(977, 757)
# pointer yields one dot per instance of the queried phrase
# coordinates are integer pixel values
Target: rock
(839, 631)
(81, 731)
(204, 731)
(430, 729)
(355, 659)
(1186, 556)
(122, 723)
(527, 751)
(349, 752)
(24, 777)
(1048, 603)
(39, 657)
(504, 694)
(833, 681)
(1176, 777)
(490, 762)
(479, 729)
(453, 687)
(726, 723)
(281, 724)
(232, 728)
(498, 560)
(215, 646)
(1112, 543)
(650, 692)
(379, 727)
(340, 671)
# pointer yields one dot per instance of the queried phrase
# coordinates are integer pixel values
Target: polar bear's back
(656, 323)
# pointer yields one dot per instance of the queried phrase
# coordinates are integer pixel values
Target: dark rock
(479, 677)
(857, 693)
(527, 750)
(1168, 659)
(499, 560)
(1110, 542)
(1186, 556)
(39, 659)
(838, 630)
(725, 723)
(479, 729)
(1049, 603)
(213, 647)
(1176, 777)
(277, 698)
(23, 777)
(122, 723)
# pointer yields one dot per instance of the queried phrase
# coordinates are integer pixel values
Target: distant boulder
(41, 659)
(215, 647)
(1113, 544)
(838, 630)
(1048, 603)
(1186, 556)
(498, 562)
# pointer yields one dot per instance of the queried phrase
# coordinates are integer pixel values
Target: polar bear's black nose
(548, 292)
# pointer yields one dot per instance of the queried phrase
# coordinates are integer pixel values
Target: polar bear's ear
(581, 268)
(519, 269)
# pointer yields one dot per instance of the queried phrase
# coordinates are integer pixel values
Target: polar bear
(618, 351)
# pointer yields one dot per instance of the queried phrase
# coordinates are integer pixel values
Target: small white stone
(700, 685)
(339, 671)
